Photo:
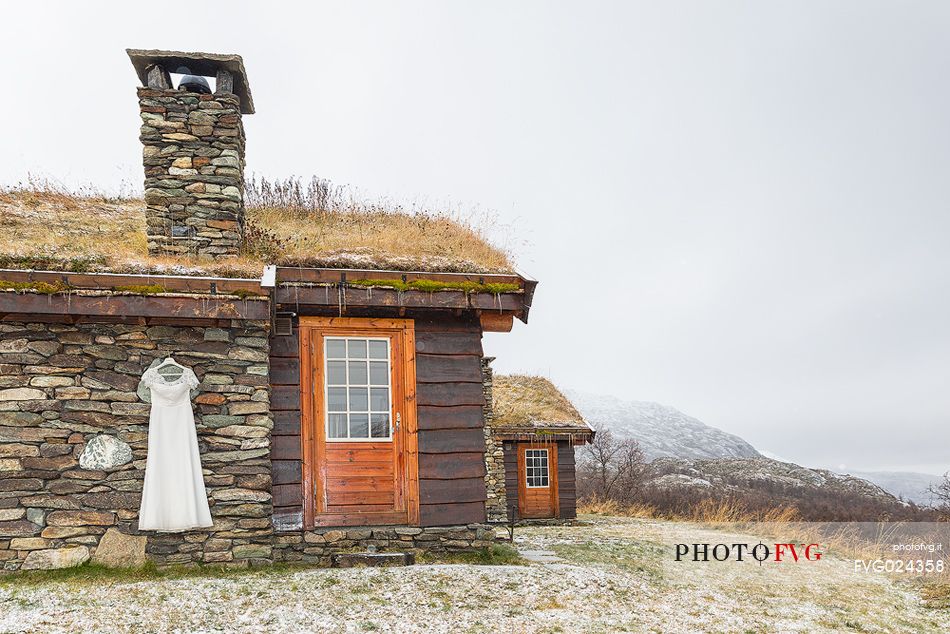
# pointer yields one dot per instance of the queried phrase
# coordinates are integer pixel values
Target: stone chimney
(194, 151)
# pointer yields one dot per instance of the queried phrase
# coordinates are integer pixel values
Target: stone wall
(194, 172)
(318, 545)
(61, 386)
(496, 504)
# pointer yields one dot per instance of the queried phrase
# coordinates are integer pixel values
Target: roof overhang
(135, 298)
(575, 435)
(154, 296)
(345, 289)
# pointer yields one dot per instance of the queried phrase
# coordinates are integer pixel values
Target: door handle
(398, 420)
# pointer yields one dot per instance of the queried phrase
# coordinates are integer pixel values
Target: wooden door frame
(312, 438)
(521, 447)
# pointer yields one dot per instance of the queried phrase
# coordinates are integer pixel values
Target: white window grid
(327, 358)
(536, 469)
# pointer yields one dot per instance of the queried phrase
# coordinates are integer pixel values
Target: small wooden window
(536, 468)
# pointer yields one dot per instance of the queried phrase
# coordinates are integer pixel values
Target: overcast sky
(737, 209)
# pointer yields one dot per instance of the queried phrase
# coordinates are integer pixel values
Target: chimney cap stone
(204, 64)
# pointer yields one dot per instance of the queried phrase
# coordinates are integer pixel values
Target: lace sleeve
(191, 379)
(148, 379)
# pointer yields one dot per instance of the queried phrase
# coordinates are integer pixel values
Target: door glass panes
(379, 399)
(536, 468)
(378, 349)
(336, 427)
(358, 389)
(380, 425)
(357, 372)
(336, 348)
(378, 372)
(336, 399)
(356, 348)
(359, 425)
(336, 373)
(359, 399)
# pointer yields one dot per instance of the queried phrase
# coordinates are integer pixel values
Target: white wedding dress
(173, 497)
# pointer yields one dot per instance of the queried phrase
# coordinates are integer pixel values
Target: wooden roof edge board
(111, 280)
(576, 437)
(134, 305)
(106, 292)
(530, 284)
(529, 288)
(105, 274)
(505, 304)
(116, 319)
(560, 428)
(524, 276)
(308, 274)
(389, 298)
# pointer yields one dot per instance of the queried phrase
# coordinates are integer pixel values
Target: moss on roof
(52, 230)
(533, 402)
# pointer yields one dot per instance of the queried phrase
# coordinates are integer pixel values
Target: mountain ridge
(651, 425)
(665, 432)
(907, 485)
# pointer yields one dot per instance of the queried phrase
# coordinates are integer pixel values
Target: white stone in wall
(56, 558)
(105, 452)
(22, 394)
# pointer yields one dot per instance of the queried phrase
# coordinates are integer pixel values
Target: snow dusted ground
(617, 574)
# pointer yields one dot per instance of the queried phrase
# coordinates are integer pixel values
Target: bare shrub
(292, 194)
(613, 478)
(610, 468)
(941, 495)
(261, 243)
(771, 503)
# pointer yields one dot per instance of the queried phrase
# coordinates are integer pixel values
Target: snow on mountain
(665, 432)
(662, 431)
(906, 485)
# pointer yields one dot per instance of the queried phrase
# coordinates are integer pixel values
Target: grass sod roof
(45, 229)
(532, 404)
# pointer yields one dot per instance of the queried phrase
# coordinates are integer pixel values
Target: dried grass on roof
(522, 401)
(378, 240)
(45, 227)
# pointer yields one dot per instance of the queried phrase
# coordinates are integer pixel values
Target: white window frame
(527, 466)
(369, 412)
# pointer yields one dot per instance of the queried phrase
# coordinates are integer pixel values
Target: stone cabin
(340, 408)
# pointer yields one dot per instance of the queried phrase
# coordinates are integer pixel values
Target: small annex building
(342, 399)
(534, 429)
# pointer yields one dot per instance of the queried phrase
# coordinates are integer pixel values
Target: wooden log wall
(285, 438)
(450, 402)
(566, 480)
(512, 481)
(450, 419)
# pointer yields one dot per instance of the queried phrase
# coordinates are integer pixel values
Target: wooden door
(358, 421)
(537, 480)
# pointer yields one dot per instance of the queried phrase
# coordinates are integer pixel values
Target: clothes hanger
(176, 369)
